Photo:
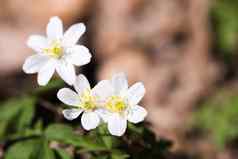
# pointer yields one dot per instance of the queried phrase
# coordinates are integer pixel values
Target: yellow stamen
(116, 104)
(88, 101)
(55, 49)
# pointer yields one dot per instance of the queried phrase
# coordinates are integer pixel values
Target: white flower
(86, 101)
(58, 51)
(122, 105)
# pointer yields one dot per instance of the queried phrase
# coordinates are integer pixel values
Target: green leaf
(22, 150)
(3, 127)
(102, 133)
(26, 113)
(88, 143)
(53, 84)
(8, 110)
(116, 154)
(27, 133)
(16, 115)
(39, 125)
(30, 149)
(108, 141)
(60, 132)
(135, 129)
(62, 154)
(66, 135)
(43, 151)
(102, 156)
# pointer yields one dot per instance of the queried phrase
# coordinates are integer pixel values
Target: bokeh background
(185, 51)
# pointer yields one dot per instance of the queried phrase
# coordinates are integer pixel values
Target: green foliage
(30, 149)
(26, 133)
(62, 154)
(52, 85)
(42, 150)
(225, 15)
(116, 154)
(219, 117)
(16, 116)
(65, 134)
(22, 150)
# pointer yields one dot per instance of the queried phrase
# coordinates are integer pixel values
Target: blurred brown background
(167, 44)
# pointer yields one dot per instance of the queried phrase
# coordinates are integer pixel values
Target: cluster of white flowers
(110, 101)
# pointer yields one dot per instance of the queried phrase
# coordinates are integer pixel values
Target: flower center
(116, 104)
(88, 102)
(55, 50)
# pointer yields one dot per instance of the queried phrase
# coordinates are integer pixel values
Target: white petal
(71, 114)
(119, 82)
(46, 72)
(136, 93)
(37, 42)
(117, 125)
(103, 90)
(79, 55)
(137, 114)
(55, 28)
(72, 35)
(66, 71)
(34, 63)
(104, 114)
(90, 120)
(69, 97)
(81, 84)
